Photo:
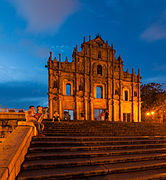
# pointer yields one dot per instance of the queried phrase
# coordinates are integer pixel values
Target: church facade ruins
(94, 81)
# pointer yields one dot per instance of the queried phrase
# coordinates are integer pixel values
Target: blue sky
(30, 29)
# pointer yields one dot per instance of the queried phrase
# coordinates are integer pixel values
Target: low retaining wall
(13, 151)
(12, 115)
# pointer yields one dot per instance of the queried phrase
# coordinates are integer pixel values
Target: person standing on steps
(56, 117)
(39, 115)
(102, 115)
(106, 115)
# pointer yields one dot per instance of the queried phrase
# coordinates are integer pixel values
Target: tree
(154, 99)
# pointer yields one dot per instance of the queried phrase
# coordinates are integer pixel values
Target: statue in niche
(94, 68)
(81, 86)
(99, 69)
(81, 67)
(55, 84)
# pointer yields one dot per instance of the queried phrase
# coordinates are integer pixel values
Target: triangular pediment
(98, 41)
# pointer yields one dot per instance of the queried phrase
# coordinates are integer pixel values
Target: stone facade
(92, 82)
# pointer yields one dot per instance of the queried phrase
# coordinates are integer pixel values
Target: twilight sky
(29, 29)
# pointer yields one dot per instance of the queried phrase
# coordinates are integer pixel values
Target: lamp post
(150, 115)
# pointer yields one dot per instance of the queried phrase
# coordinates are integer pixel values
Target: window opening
(135, 93)
(68, 89)
(99, 54)
(97, 114)
(116, 92)
(124, 117)
(68, 114)
(99, 92)
(126, 96)
(128, 117)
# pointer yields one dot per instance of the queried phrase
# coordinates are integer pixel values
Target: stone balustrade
(12, 115)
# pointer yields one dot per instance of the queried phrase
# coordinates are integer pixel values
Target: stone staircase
(96, 150)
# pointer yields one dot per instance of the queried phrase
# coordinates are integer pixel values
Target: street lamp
(152, 113)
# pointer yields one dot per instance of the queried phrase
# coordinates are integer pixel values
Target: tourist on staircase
(102, 116)
(106, 115)
(36, 118)
(56, 117)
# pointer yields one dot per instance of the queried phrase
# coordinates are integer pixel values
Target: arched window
(116, 92)
(99, 92)
(99, 69)
(126, 95)
(68, 89)
(135, 93)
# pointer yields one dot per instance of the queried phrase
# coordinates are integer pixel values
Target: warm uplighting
(152, 113)
(147, 113)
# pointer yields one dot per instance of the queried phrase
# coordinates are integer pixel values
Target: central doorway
(68, 114)
(97, 113)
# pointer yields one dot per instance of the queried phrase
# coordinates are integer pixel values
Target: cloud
(120, 3)
(45, 15)
(11, 73)
(16, 74)
(156, 31)
(22, 94)
(42, 101)
(25, 61)
(33, 48)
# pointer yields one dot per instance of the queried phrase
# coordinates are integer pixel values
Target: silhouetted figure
(106, 115)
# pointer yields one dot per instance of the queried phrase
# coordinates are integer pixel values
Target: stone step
(154, 174)
(89, 154)
(85, 171)
(117, 133)
(47, 164)
(92, 138)
(77, 134)
(94, 148)
(91, 143)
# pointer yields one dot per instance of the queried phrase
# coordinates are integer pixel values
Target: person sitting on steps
(56, 117)
(32, 116)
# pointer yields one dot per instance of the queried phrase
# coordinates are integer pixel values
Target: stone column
(90, 83)
(60, 108)
(75, 95)
(112, 83)
(120, 90)
(84, 87)
(49, 66)
(138, 95)
(92, 111)
(59, 86)
(132, 108)
(107, 81)
(50, 108)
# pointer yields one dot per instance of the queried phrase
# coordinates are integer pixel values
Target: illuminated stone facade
(92, 82)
